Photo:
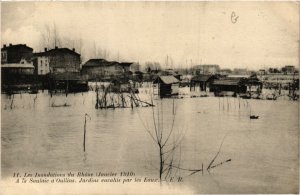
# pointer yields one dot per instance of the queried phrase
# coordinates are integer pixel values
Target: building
(241, 71)
(166, 86)
(225, 71)
(137, 76)
(13, 69)
(41, 63)
(67, 82)
(17, 76)
(13, 54)
(288, 69)
(229, 86)
(261, 72)
(206, 69)
(237, 85)
(124, 66)
(135, 67)
(275, 80)
(103, 69)
(254, 85)
(16, 66)
(61, 60)
(202, 82)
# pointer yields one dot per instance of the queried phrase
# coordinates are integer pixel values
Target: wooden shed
(237, 85)
(166, 86)
(202, 82)
(225, 85)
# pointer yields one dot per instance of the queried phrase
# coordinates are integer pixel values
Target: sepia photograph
(149, 97)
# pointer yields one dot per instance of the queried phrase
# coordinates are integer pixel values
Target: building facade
(288, 69)
(202, 82)
(13, 54)
(59, 60)
(16, 65)
(41, 64)
(165, 86)
(101, 68)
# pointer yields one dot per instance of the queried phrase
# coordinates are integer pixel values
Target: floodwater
(263, 152)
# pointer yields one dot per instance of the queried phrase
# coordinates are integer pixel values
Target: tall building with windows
(13, 54)
(16, 64)
(41, 63)
(57, 60)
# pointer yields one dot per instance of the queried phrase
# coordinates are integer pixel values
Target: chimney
(73, 49)
(4, 45)
(46, 49)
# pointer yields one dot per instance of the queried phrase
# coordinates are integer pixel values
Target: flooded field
(263, 152)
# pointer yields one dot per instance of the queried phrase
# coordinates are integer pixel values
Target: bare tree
(168, 142)
(46, 36)
(51, 38)
(152, 66)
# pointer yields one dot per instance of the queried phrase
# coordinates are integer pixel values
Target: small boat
(63, 105)
(254, 117)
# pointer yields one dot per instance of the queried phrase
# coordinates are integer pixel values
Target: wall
(64, 62)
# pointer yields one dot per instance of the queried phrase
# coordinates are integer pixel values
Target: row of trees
(51, 37)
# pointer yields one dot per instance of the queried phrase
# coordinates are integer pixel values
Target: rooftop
(56, 51)
(166, 80)
(103, 62)
(17, 46)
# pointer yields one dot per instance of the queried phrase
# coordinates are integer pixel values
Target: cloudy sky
(264, 34)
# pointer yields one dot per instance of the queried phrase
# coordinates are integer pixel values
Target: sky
(249, 35)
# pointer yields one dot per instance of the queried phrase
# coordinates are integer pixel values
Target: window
(3, 56)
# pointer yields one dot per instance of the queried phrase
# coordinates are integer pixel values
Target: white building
(41, 64)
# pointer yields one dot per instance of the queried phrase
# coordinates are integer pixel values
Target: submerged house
(166, 86)
(254, 85)
(17, 73)
(67, 82)
(17, 76)
(229, 86)
(236, 85)
(202, 82)
(17, 70)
